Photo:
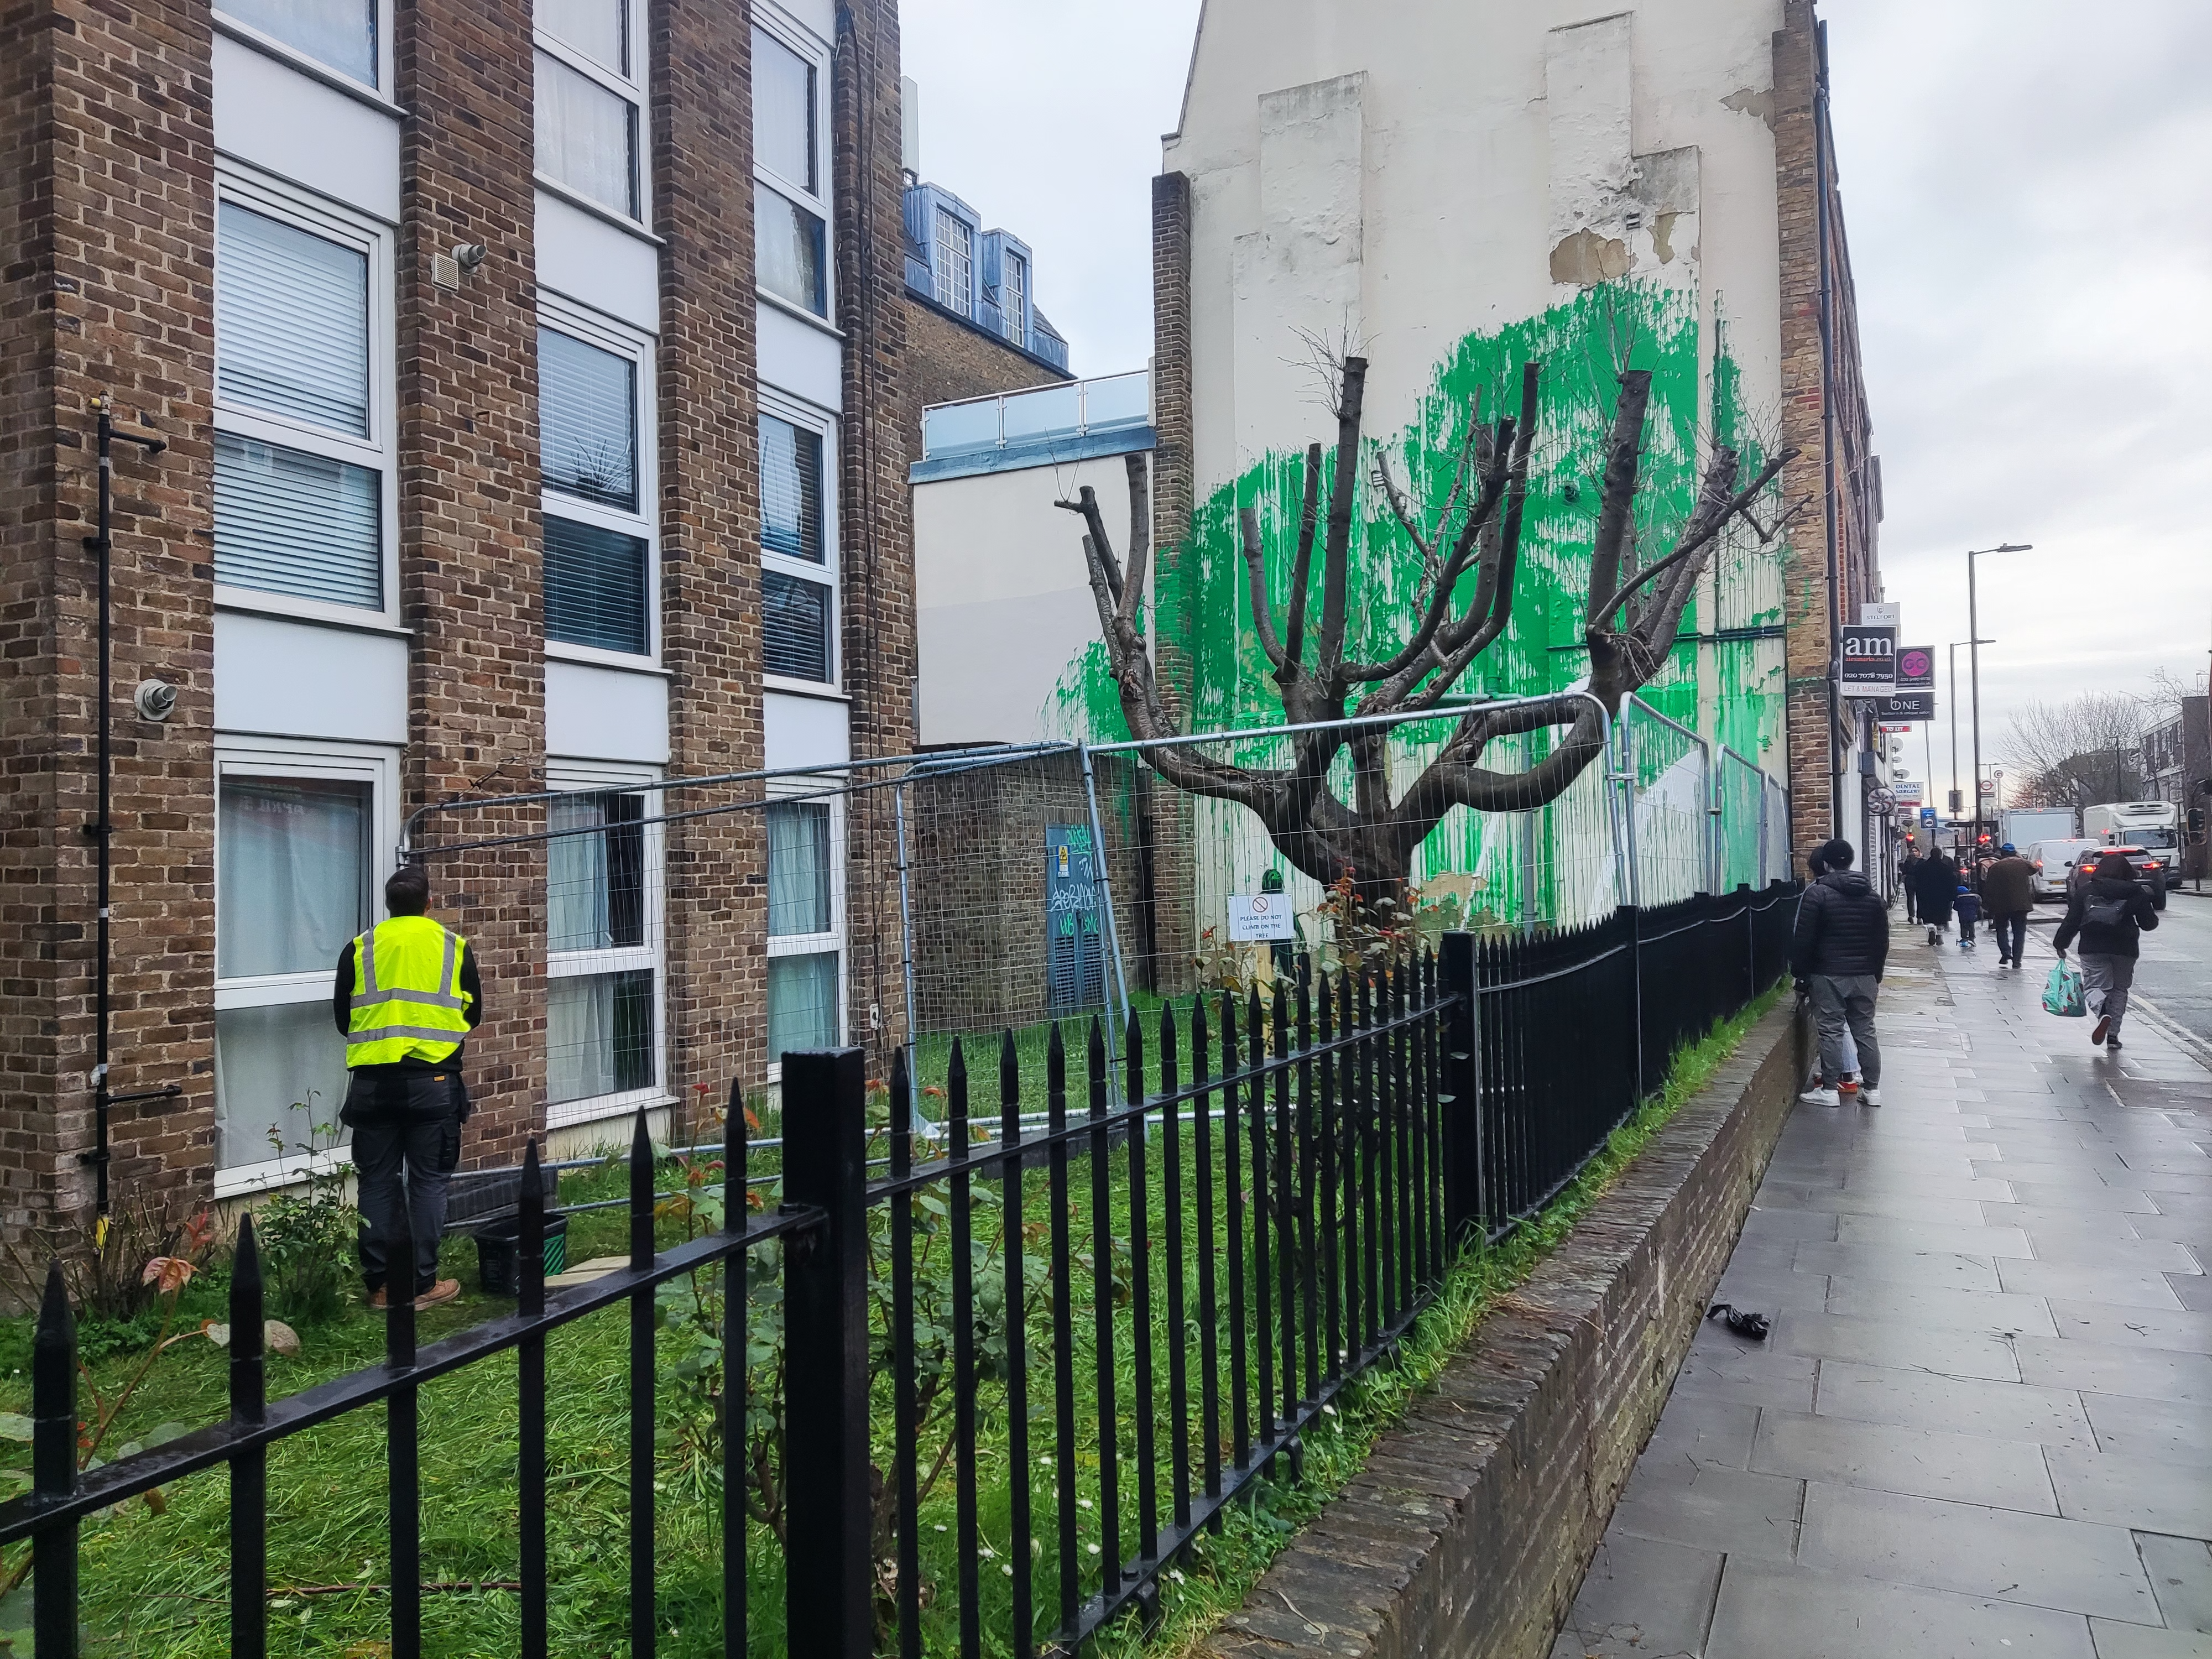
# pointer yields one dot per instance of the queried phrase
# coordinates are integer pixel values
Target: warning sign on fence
(1259, 916)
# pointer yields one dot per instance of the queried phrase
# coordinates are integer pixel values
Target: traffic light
(2197, 826)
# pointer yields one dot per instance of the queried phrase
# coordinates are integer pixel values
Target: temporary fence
(1069, 1312)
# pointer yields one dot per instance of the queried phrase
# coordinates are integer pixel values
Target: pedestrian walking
(405, 997)
(1966, 905)
(1938, 881)
(1847, 1081)
(1837, 955)
(1908, 873)
(2109, 914)
(2008, 896)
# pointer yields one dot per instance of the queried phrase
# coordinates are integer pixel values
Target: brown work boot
(444, 1291)
(377, 1298)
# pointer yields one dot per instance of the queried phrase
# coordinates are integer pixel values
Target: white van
(2054, 862)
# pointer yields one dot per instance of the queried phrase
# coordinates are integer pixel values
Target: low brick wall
(1467, 1535)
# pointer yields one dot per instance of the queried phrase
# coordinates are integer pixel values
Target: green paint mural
(1725, 677)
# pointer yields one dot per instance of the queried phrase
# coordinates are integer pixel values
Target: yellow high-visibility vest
(408, 1003)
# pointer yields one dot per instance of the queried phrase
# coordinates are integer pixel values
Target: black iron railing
(1002, 1390)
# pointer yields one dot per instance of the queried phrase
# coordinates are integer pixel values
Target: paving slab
(2041, 1560)
(1768, 1612)
(1927, 1462)
(1982, 1424)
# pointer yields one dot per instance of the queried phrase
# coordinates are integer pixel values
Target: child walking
(1966, 905)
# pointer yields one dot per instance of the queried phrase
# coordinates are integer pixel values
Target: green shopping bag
(2061, 992)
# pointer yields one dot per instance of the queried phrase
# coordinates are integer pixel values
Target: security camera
(155, 700)
(469, 255)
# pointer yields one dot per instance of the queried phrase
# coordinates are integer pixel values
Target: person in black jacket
(2109, 914)
(1837, 956)
(1937, 880)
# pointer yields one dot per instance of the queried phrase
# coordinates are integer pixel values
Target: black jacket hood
(1852, 882)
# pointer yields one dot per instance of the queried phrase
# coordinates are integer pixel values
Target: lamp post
(1974, 663)
(1955, 644)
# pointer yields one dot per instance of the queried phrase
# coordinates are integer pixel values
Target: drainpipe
(101, 830)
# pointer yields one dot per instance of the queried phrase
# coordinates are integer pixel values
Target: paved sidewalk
(1982, 1423)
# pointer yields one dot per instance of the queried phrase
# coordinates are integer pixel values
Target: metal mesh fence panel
(1740, 794)
(1668, 764)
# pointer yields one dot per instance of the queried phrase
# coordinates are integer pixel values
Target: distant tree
(2080, 751)
(1468, 544)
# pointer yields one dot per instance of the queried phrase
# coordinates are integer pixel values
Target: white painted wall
(1478, 136)
(1002, 602)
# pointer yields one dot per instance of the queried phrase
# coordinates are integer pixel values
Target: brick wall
(875, 518)
(104, 288)
(949, 359)
(710, 516)
(470, 537)
(1468, 1530)
(1809, 649)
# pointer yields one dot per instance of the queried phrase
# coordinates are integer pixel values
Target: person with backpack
(1938, 881)
(2109, 914)
(1837, 955)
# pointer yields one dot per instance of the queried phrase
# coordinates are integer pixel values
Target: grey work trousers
(2105, 980)
(408, 1125)
(1842, 1009)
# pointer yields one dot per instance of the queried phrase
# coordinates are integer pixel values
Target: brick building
(532, 391)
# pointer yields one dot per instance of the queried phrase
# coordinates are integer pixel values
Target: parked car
(2150, 868)
(2054, 862)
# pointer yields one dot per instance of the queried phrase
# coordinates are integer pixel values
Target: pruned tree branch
(1476, 534)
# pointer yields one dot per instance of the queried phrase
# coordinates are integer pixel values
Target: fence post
(826, 1356)
(53, 1469)
(1456, 1096)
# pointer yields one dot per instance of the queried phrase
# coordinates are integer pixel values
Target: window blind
(339, 33)
(794, 627)
(291, 321)
(586, 136)
(598, 1034)
(587, 419)
(798, 868)
(289, 522)
(594, 586)
(791, 490)
(597, 28)
(787, 256)
(783, 112)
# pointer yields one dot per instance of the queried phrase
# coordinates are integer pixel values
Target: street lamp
(1955, 644)
(1974, 664)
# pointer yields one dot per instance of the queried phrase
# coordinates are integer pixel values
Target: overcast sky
(2025, 194)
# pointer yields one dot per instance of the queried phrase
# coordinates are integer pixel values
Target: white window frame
(305, 62)
(828, 573)
(259, 192)
(938, 256)
(631, 88)
(318, 763)
(596, 777)
(802, 40)
(812, 944)
(595, 329)
(1013, 323)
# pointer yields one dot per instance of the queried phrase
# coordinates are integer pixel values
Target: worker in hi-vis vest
(406, 996)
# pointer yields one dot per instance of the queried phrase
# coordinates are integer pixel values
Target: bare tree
(2087, 748)
(1474, 536)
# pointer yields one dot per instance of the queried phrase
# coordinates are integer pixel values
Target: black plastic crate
(497, 1264)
